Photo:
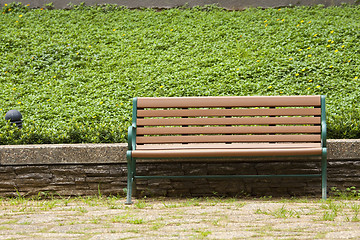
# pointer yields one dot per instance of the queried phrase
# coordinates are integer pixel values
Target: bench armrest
(132, 137)
(323, 135)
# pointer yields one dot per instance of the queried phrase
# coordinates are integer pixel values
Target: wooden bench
(227, 127)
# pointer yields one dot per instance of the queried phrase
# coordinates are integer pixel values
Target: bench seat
(225, 152)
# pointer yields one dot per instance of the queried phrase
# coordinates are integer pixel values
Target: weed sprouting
(48, 205)
(350, 193)
(333, 206)
(81, 209)
(284, 213)
(332, 210)
(356, 208)
(202, 233)
(141, 204)
(329, 216)
(191, 202)
(136, 221)
(127, 218)
(170, 205)
(280, 213)
(95, 220)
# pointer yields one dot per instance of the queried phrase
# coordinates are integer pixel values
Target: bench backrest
(265, 119)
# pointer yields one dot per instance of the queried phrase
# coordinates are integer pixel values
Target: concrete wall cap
(63, 154)
(339, 149)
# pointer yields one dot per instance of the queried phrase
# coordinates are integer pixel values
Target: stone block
(7, 176)
(159, 183)
(39, 182)
(62, 170)
(226, 168)
(30, 169)
(300, 171)
(343, 149)
(79, 179)
(78, 186)
(179, 185)
(227, 188)
(295, 184)
(178, 193)
(6, 170)
(96, 170)
(100, 179)
(201, 193)
(313, 190)
(221, 168)
(117, 170)
(34, 176)
(310, 165)
(4, 192)
(7, 185)
(195, 169)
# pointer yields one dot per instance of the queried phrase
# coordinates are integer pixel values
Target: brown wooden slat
(228, 138)
(227, 130)
(230, 112)
(227, 121)
(242, 101)
(228, 146)
(225, 152)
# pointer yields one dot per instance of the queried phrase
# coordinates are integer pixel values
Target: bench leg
(130, 180)
(324, 175)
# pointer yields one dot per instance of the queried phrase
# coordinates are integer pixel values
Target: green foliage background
(73, 73)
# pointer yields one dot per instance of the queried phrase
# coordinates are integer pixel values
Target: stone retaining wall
(90, 169)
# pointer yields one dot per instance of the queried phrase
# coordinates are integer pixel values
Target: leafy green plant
(348, 193)
(15, 7)
(72, 73)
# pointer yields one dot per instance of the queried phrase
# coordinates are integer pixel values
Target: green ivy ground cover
(73, 73)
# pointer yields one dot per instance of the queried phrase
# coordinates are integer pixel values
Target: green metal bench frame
(131, 161)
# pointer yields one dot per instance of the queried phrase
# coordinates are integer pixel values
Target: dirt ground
(207, 218)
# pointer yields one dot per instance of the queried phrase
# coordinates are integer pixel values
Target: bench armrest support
(323, 122)
(132, 137)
